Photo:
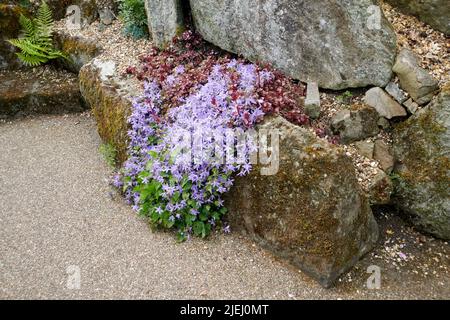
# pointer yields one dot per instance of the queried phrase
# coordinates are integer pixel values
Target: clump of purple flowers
(164, 178)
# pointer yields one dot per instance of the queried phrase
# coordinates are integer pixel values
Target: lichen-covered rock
(414, 79)
(312, 211)
(357, 123)
(165, 20)
(434, 12)
(422, 151)
(80, 50)
(338, 44)
(111, 107)
(41, 92)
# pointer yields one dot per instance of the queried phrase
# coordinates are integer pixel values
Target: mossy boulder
(45, 91)
(80, 50)
(312, 212)
(422, 151)
(110, 106)
(9, 29)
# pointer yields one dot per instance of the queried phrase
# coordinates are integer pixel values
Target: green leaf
(206, 230)
(181, 237)
(198, 228)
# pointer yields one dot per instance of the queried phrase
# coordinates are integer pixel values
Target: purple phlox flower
(171, 80)
(219, 203)
(170, 207)
(179, 69)
(256, 115)
(227, 229)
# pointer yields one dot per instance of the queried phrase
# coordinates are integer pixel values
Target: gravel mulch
(431, 46)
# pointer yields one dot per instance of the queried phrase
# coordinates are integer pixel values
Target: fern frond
(37, 45)
(30, 60)
(27, 47)
(44, 21)
(55, 54)
(27, 26)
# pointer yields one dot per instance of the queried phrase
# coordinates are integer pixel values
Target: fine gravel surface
(58, 215)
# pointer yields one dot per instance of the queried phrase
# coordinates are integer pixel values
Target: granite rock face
(421, 147)
(338, 44)
(165, 20)
(312, 212)
(434, 12)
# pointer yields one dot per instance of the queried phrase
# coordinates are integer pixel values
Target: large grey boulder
(165, 20)
(413, 78)
(422, 151)
(434, 12)
(312, 212)
(338, 44)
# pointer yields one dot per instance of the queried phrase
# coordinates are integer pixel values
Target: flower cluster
(191, 55)
(163, 178)
(193, 98)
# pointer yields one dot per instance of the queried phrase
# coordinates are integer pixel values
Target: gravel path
(56, 211)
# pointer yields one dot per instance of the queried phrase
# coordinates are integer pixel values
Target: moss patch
(110, 110)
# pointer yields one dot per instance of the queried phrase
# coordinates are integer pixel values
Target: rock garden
(317, 131)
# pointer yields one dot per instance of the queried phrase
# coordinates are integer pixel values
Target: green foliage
(193, 218)
(109, 153)
(398, 182)
(36, 45)
(133, 14)
(25, 3)
(346, 97)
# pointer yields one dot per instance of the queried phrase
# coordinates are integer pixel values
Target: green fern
(36, 45)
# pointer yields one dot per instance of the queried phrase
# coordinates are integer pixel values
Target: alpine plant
(190, 132)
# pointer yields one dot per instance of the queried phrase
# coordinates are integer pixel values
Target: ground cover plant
(191, 87)
(132, 12)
